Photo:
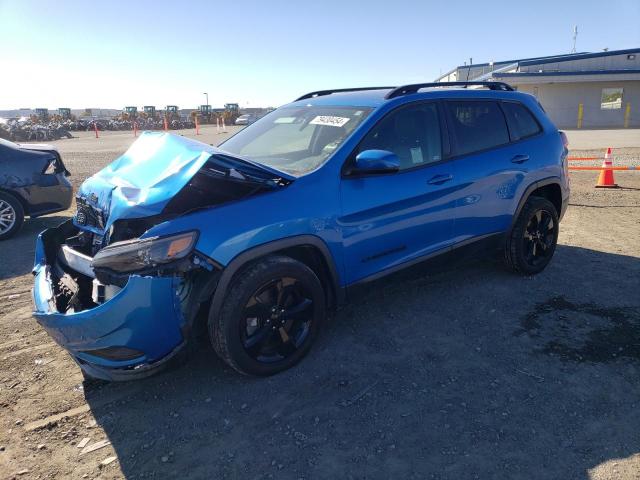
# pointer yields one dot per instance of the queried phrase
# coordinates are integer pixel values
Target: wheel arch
(307, 249)
(552, 192)
(548, 188)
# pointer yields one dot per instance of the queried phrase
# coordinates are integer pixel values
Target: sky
(109, 54)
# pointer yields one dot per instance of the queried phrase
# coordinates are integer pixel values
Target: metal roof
(578, 56)
(564, 73)
(543, 60)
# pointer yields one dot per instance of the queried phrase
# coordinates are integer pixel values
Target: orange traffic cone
(605, 179)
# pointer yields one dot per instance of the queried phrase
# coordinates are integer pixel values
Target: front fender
(307, 207)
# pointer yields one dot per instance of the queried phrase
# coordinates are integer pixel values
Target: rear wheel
(11, 215)
(270, 317)
(533, 238)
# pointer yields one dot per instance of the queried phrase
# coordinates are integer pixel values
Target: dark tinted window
(477, 125)
(521, 121)
(412, 133)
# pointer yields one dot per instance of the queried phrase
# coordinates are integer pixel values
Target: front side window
(611, 99)
(521, 121)
(296, 140)
(477, 125)
(412, 133)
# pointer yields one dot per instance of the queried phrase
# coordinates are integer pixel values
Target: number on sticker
(329, 120)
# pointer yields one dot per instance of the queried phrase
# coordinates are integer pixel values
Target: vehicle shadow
(16, 253)
(472, 373)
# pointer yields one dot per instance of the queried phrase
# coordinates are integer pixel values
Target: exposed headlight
(134, 255)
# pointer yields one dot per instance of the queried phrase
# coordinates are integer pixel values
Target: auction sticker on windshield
(285, 120)
(329, 120)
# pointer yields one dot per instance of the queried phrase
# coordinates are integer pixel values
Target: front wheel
(534, 236)
(270, 316)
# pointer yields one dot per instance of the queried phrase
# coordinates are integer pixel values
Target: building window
(611, 99)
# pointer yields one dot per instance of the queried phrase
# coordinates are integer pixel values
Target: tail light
(565, 140)
(565, 162)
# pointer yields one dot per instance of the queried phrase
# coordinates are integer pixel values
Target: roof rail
(320, 93)
(406, 89)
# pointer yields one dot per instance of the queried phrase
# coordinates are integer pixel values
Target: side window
(477, 125)
(522, 123)
(412, 133)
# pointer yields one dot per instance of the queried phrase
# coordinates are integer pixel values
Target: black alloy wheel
(533, 238)
(277, 320)
(538, 238)
(271, 314)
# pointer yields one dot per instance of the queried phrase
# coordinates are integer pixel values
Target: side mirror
(375, 162)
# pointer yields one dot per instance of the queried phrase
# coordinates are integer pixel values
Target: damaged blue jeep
(261, 237)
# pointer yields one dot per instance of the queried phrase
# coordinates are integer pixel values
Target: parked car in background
(246, 119)
(281, 223)
(33, 182)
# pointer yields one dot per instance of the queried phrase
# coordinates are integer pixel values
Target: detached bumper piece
(132, 334)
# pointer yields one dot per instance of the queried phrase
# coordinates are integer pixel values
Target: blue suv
(258, 239)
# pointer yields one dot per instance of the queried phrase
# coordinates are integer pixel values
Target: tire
(530, 246)
(11, 215)
(248, 335)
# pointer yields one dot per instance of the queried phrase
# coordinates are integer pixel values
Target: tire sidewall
(226, 323)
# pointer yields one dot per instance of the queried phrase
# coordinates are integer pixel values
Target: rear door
(490, 168)
(390, 219)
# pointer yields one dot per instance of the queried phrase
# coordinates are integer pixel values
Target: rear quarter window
(477, 125)
(522, 123)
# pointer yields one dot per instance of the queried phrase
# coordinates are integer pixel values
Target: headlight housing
(147, 254)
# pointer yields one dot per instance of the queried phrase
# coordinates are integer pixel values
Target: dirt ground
(470, 373)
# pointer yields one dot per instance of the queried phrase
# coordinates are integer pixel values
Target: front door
(390, 219)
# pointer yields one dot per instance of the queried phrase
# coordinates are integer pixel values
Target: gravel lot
(470, 373)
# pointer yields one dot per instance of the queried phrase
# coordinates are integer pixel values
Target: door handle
(520, 158)
(440, 179)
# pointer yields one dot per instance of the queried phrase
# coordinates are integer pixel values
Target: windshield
(296, 140)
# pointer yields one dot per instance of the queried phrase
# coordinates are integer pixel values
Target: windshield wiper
(249, 166)
(237, 169)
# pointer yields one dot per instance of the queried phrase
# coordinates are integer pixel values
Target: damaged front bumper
(133, 334)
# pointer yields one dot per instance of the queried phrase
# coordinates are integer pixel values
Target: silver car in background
(246, 119)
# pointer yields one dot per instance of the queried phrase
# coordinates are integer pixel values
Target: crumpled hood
(141, 182)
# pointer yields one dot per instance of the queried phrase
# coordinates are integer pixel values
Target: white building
(578, 90)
